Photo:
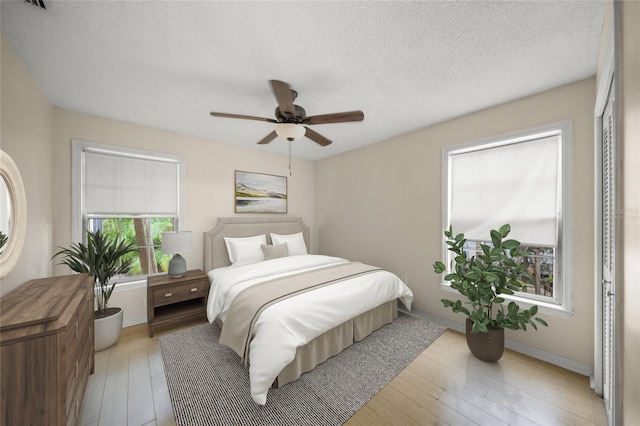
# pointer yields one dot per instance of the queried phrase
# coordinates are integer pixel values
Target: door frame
(607, 85)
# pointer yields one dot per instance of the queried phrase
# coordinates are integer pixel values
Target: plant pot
(487, 347)
(107, 329)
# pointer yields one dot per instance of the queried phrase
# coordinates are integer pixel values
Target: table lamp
(176, 243)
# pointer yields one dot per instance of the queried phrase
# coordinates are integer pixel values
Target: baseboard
(566, 363)
(134, 321)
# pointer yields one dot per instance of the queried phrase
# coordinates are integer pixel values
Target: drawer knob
(168, 294)
(194, 289)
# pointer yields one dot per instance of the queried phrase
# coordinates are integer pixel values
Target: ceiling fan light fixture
(290, 131)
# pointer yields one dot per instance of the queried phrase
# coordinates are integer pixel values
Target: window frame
(80, 218)
(563, 305)
(127, 278)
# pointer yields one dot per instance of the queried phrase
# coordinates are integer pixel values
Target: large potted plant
(102, 258)
(484, 280)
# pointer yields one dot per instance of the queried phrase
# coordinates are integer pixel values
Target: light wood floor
(444, 385)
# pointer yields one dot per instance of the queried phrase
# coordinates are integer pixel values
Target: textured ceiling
(407, 65)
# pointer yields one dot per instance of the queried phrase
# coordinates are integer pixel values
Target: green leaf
(439, 267)
(510, 244)
(489, 277)
(496, 239)
(543, 322)
(504, 230)
(480, 327)
(498, 300)
(461, 259)
(512, 308)
(450, 277)
(472, 276)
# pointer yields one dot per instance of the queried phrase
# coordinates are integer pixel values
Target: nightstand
(170, 300)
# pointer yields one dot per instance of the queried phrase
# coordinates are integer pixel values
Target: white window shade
(117, 183)
(515, 183)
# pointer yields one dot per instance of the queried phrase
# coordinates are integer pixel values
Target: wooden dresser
(46, 352)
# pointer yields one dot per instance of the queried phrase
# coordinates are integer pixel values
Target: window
(143, 231)
(522, 179)
(127, 193)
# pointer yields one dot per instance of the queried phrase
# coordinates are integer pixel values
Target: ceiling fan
(291, 120)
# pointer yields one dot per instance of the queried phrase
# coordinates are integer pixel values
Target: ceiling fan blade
(245, 117)
(284, 97)
(338, 117)
(316, 137)
(271, 136)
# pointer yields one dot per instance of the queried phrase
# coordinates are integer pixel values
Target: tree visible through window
(540, 265)
(145, 233)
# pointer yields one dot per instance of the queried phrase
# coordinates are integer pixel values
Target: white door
(608, 258)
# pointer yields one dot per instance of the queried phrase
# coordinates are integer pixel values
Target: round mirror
(13, 214)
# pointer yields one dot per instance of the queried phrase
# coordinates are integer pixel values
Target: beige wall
(38, 138)
(382, 204)
(629, 139)
(209, 173)
(25, 134)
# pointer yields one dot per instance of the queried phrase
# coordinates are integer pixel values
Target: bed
(299, 332)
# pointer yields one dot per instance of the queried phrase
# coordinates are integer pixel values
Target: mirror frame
(11, 175)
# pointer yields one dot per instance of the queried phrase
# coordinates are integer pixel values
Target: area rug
(209, 386)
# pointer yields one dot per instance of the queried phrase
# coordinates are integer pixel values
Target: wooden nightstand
(170, 300)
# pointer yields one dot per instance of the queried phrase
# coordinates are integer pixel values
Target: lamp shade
(290, 131)
(176, 242)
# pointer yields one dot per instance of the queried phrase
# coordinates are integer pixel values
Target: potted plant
(483, 280)
(102, 258)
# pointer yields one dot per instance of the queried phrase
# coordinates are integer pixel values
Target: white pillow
(295, 243)
(243, 251)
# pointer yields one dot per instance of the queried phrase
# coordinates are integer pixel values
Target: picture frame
(260, 193)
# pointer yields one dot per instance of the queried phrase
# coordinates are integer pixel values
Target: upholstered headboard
(215, 250)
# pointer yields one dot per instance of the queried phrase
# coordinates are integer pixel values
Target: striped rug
(209, 386)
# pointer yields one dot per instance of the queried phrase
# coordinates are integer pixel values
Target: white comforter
(294, 322)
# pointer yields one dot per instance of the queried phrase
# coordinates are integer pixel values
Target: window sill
(543, 307)
(131, 284)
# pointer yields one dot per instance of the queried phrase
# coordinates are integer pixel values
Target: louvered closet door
(608, 258)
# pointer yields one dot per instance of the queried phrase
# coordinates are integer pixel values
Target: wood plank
(469, 410)
(388, 411)
(114, 400)
(92, 400)
(140, 396)
(162, 401)
(430, 403)
(367, 417)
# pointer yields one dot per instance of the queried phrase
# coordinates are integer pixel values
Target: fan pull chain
(290, 159)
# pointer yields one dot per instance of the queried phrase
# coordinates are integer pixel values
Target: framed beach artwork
(260, 193)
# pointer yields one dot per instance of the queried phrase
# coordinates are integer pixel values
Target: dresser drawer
(77, 377)
(78, 332)
(169, 294)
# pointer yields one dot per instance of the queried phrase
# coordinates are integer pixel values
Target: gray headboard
(215, 250)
